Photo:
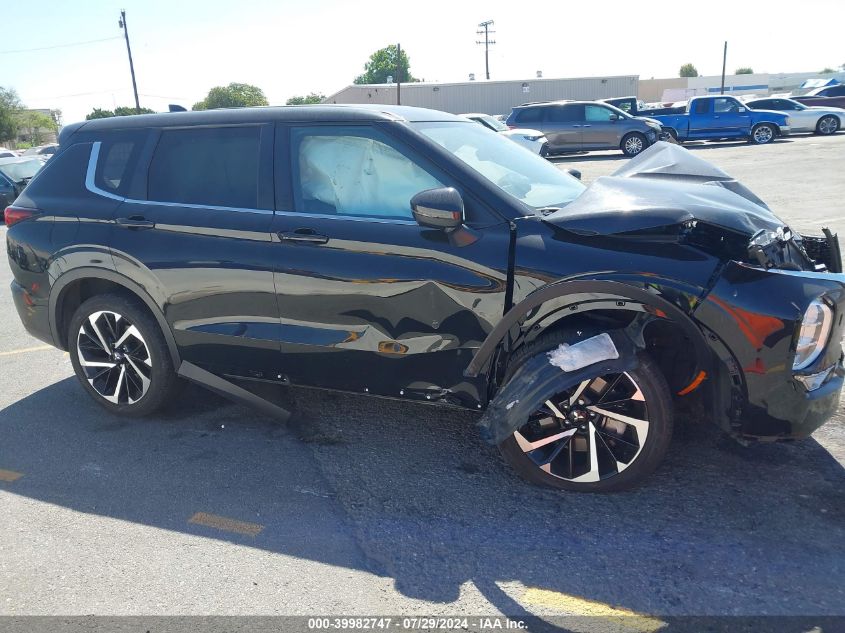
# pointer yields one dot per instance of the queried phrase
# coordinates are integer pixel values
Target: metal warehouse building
(492, 97)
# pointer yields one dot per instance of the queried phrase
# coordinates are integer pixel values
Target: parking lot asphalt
(367, 506)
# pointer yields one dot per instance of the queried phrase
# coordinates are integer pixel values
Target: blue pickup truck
(719, 116)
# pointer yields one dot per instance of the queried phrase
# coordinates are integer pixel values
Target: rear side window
(529, 115)
(702, 106)
(210, 166)
(567, 113)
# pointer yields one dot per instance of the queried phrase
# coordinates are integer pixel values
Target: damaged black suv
(408, 253)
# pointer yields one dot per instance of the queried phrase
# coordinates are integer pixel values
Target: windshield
(492, 123)
(514, 169)
(21, 171)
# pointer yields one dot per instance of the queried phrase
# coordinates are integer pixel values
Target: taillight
(13, 215)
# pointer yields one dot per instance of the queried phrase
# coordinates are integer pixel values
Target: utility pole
(724, 59)
(398, 74)
(487, 41)
(122, 24)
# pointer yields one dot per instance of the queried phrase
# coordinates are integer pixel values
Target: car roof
(303, 113)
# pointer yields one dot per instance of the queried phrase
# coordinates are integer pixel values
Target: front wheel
(827, 125)
(762, 133)
(632, 144)
(604, 434)
(120, 356)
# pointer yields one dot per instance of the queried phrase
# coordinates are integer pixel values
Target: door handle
(305, 236)
(576, 126)
(586, 126)
(136, 222)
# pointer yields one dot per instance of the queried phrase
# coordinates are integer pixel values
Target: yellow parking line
(40, 348)
(9, 475)
(614, 618)
(225, 524)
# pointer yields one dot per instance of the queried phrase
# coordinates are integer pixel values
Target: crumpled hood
(663, 186)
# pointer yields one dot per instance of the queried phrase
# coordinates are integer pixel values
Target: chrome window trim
(91, 186)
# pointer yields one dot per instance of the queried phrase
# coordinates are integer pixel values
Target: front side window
(521, 174)
(597, 113)
(723, 104)
(206, 166)
(355, 171)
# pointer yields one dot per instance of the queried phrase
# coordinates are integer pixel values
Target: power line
(47, 48)
(487, 41)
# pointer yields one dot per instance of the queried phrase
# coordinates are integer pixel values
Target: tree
(98, 113)
(382, 64)
(688, 70)
(743, 71)
(826, 70)
(34, 124)
(312, 97)
(232, 96)
(10, 105)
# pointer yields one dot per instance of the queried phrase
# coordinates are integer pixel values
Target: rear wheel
(827, 125)
(762, 133)
(633, 143)
(120, 356)
(604, 434)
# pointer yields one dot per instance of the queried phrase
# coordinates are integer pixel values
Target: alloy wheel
(763, 134)
(114, 357)
(828, 125)
(590, 432)
(634, 145)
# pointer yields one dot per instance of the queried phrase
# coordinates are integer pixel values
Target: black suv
(412, 254)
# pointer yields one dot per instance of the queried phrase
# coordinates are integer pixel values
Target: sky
(181, 48)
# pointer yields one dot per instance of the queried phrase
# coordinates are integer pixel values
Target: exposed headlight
(815, 330)
(533, 138)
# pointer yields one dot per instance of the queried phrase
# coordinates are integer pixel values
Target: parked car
(533, 140)
(721, 117)
(7, 153)
(637, 107)
(410, 253)
(44, 151)
(802, 118)
(15, 174)
(572, 126)
(828, 96)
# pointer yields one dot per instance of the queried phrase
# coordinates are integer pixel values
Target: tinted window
(529, 115)
(702, 106)
(836, 91)
(355, 171)
(116, 162)
(763, 104)
(566, 113)
(213, 166)
(597, 113)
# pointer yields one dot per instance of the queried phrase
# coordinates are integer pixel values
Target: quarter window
(209, 166)
(118, 157)
(354, 172)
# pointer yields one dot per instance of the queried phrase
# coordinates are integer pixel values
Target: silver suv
(572, 126)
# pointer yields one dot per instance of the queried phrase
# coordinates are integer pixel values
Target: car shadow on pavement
(410, 492)
(606, 155)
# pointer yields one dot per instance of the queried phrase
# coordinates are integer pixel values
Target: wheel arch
(74, 287)
(567, 303)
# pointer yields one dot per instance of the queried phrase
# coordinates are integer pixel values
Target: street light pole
(398, 74)
(487, 41)
(122, 24)
(724, 60)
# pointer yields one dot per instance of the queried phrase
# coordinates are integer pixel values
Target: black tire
(827, 125)
(633, 143)
(762, 134)
(657, 403)
(131, 396)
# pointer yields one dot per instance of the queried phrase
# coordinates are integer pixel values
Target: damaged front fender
(543, 376)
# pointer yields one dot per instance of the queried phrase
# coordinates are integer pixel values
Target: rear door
(563, 127)
(370, 301)
(195, 234)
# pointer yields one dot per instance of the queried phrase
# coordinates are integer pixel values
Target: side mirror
(741, 109)
(614, 117)
(441, 208)
(574, 173)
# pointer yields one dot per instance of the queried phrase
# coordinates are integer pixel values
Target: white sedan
(533, 140)
(802, 118)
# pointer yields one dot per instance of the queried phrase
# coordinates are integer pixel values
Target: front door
(599, 131)
(369, 300)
